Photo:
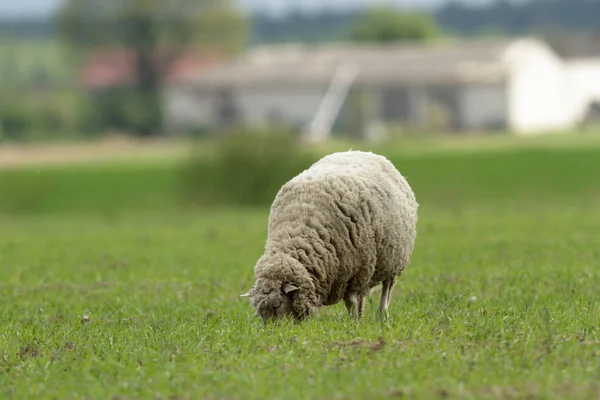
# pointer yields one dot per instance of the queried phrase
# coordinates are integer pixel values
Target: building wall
(396, 104)
(295, 106)
(536, 91)
(185, 109)
(442, 108)
(361, 109)
(484, 106)
(256, 106)
(419, 106)
(583, 87)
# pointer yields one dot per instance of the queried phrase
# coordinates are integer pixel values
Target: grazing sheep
(335, 231)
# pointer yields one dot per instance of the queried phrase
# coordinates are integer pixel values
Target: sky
(28, 8)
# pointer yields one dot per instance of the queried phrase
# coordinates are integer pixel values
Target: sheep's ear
(289, 288)
(249, 293)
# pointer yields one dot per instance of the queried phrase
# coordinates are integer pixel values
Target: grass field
(500, 301)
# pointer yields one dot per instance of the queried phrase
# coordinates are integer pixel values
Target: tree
(156, 32)
(384, 25)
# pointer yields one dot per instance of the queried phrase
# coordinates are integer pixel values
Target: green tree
(383, 25)
(156, 32)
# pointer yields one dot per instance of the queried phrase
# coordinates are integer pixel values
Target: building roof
(115, 67)
(447, 62)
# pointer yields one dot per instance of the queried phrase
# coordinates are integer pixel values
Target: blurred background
(142, 143)
(213, 102)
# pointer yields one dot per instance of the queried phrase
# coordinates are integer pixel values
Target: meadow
(112, 286)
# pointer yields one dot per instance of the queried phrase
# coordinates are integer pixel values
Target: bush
(385, 25)
(121, 109)
(15, 121)
(248, 169)
(33, 116)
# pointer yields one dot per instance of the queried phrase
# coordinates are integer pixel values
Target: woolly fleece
(341, 227)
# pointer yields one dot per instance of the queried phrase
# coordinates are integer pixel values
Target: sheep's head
(275, 304)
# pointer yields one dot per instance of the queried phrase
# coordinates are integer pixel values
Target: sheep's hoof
(354, 315)
(382, 315)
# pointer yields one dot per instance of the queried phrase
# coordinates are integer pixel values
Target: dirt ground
(12, 156)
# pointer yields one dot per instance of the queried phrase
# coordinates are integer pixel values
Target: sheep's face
(274, 305)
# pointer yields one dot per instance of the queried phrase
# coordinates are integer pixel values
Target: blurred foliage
(461, 18)
(118, 109)
(385, 25)
(40, 115)
(157, 33)
(248, 167)
(32, 62)
(151, 24)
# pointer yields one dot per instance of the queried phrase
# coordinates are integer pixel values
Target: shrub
(248, 168)
(33, 116)
(16, 120)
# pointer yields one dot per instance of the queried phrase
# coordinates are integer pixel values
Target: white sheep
(335, 231)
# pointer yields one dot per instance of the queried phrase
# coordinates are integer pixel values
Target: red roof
(105, 68)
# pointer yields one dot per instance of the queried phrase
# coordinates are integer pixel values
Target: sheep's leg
(353, 305)
(386, 297)
(382, 311)
(389, 299)
(355, 295)
(361, 306)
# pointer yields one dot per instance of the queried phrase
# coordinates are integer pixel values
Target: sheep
(335, 231)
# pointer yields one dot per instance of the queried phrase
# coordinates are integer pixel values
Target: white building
(519, 85)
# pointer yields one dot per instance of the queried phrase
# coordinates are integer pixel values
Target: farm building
(110, 68)
(519, 85)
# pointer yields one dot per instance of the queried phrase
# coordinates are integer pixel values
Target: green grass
(501, 299)
(98, 189)
(162, 296)
(524, 177)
